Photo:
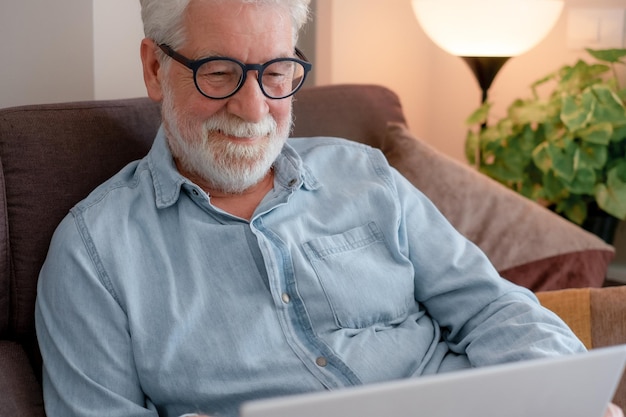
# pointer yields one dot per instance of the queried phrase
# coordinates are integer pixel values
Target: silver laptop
(578, 385)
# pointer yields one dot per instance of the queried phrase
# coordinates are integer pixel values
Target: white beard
(227, 166)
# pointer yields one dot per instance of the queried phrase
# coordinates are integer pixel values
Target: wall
(117, 32)
(46, 51)
(372, 41)
(50, 54)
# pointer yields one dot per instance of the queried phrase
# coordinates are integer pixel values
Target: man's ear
(151, 70)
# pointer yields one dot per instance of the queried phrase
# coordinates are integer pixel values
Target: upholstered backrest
(52, 156)
(357, 112)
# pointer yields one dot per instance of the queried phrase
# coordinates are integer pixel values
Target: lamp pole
(485, 69)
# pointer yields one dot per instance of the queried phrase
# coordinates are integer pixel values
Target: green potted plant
(565, 149)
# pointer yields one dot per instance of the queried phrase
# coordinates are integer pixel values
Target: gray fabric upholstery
(355, 112)
(52, 156)
(20, 393)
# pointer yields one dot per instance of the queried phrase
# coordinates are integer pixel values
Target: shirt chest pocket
(361, 280)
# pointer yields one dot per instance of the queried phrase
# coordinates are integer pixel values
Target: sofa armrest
(21, 393)
(596, 315)
(528, 244)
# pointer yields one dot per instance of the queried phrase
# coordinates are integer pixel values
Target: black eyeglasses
(221, 77)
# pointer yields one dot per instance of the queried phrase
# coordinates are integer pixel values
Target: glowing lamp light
(486, 33)
(487, 27)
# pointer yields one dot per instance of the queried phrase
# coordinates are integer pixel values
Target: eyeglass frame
(194, 65)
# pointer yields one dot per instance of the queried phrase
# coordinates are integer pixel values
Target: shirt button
(195, 192)
(285, 297)
(293, 182)
(321, 362)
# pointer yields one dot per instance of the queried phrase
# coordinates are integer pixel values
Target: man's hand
(613, 411)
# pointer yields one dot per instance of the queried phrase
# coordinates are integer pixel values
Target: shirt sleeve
(480, 313)
(88, 366)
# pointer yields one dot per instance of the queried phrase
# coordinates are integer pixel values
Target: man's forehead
(219, 26)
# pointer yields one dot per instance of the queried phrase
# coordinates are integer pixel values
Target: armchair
(51, 156)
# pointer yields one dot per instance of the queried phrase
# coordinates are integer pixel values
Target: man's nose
(249, 103)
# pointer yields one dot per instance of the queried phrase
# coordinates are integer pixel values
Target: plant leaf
(584, 181)
(544, 80)
(511, 155)
(609, 107)
(576, 111)
(611, 197)
(593, 155)
(580, 76)
(600, 133)
(479, 116)
(619, 132)
(541, 158)
(471, 142)
(524, 112)
(553, 189)
(563, 160)
(608, 55)
(574, 208)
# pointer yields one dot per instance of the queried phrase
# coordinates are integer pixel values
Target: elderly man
(231, 264)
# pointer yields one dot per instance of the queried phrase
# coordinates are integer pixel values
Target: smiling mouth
(238, 138)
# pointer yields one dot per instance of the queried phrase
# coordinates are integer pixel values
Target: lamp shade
(485, 28)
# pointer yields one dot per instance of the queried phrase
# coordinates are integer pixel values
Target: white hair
(163, 20)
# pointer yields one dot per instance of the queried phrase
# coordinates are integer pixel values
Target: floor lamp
(486, 33)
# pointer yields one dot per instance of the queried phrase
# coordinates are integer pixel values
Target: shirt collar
(289, 169)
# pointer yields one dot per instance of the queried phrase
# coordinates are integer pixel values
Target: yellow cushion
(574, 308)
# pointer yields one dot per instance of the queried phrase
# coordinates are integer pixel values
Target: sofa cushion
(351, 111)
(5, 274)
(509, 228)
(573, 305)
(52, 156)
(597, 316)
(575, 269)
(21, 393)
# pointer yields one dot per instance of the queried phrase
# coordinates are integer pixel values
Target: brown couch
(51, 156)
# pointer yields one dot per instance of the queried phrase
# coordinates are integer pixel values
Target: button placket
(292, 314)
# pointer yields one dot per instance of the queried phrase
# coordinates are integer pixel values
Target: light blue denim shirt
(153, 301)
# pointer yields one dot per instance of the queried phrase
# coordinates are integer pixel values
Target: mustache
(234, 126)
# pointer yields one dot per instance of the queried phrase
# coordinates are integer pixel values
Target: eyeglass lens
(220, 78)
